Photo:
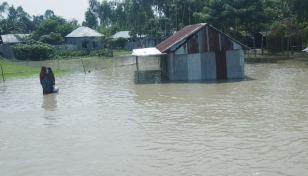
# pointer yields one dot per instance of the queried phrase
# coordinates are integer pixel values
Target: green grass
(117, 52)
(14, 70)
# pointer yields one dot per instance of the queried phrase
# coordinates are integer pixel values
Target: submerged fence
(72, 65)
(265, 54)
(11, 67)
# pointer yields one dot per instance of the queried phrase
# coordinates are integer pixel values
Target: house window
(84, 45)
(94, 45)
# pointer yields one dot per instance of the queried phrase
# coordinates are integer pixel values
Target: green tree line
(159, 17)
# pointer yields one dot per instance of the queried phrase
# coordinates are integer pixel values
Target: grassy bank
(11, 70)
(121, 52)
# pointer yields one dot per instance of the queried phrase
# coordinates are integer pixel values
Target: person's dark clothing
(43, 71)
(51, 77)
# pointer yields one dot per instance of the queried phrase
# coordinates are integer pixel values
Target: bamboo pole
(262, 42)
(83, 66)
(137, 65)
(2, 73)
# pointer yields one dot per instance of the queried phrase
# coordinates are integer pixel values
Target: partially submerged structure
(199, 52)
(9, 40)
(85, 38)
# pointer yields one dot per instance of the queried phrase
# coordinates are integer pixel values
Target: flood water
(108, 123)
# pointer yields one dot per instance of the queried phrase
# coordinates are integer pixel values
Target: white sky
(68, 9)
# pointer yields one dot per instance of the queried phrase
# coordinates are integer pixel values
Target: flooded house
(132, 42)
(200, 52)
(85, 38)
(9, 40)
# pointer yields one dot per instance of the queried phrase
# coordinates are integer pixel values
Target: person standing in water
(52, 79)
(45, 82)
(43, 70)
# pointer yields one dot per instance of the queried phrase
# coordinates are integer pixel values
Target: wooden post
(137, 65)
(303, 43)
(2, 73)
(262, 43)
(83, 66)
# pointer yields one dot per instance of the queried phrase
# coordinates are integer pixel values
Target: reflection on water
(50, 102)
(107, 123)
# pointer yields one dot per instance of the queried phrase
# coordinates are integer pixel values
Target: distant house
(132, 42)
(9, 40)
(85, 38)
(199, 52)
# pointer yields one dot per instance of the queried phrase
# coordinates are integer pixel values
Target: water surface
(108, 123)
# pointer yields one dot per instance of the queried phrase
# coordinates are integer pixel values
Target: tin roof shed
(84, 32)
(13, 38)
(182, 36)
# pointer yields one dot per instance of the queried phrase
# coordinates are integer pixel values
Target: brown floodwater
(108, 123)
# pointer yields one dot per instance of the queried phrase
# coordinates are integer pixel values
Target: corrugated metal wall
(194, 67)
(208, 66)
(180, 67)
(207, 40)
(235, 63)
(202, 66)
(208, 54)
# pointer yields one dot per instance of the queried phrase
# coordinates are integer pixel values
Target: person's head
(43, 68)
(49, 69)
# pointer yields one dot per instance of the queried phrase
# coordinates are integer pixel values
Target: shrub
(82, 53)
(33, 50)
(52, 38)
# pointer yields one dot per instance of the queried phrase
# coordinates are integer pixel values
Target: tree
(18, 21)
(54, 24)
(49, 14)
(91, 20)
(52, 39)
(74, 22)
(65, 29)
(3, 8)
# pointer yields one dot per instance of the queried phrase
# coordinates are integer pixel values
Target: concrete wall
(130, 45)
(142, 43)
(201, 66)
(78, 41)
(6, 50)
(65, 47)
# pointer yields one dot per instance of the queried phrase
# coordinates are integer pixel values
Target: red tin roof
(186, 32)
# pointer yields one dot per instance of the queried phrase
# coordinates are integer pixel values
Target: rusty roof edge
(184, 37)
(230, 37)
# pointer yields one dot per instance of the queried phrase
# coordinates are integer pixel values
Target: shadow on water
(156, 77)
(50, 102)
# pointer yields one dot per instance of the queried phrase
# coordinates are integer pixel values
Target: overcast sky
(68, 9)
